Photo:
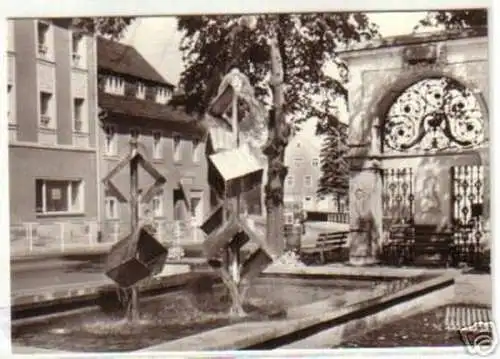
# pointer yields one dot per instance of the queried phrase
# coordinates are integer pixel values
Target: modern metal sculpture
(233, 170)
(138, 255)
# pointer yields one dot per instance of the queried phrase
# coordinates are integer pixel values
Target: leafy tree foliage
(455, 19)
(307, 42)
(112, 27)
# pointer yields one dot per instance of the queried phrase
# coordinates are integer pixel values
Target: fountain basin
(282, 305)
(306, 322)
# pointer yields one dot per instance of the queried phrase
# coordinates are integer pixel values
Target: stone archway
(433, 126)
(379, 78)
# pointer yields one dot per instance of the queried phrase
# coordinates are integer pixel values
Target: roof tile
(125, 59)
(175, 120)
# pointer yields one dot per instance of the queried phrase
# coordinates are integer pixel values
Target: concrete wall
(377, 77)
(26, 80)
(28, 164)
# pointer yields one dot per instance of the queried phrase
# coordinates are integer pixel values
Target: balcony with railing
(43, 51)
(77, 59)
(12, 130)
(47, 133)
(81, 138)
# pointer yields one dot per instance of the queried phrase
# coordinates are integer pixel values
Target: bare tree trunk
(274, 149)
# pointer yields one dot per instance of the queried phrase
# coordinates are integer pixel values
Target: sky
(157, 38)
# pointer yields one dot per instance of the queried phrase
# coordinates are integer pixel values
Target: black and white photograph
(267, 181)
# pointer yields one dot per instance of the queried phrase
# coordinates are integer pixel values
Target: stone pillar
(365, 202)
(365, 206)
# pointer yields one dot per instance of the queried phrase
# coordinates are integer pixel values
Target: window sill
(44, 129)
(49, 59)
(158, 160)
(60, 214)
(81, 67)
(111, 157)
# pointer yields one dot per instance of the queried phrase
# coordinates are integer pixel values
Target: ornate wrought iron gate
(467, 210)
(397, 196)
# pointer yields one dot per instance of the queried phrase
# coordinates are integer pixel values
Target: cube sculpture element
(237, 171)
(135, 257)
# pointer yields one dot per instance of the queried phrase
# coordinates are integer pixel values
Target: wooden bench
(408, 242)
(396, 251)
(326, 245)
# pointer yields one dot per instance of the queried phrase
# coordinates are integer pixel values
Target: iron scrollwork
(434, 114)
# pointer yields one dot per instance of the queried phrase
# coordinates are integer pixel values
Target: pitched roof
(125, 59)
(174, 120)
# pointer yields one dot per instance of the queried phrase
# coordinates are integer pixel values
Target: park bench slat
(327, 242)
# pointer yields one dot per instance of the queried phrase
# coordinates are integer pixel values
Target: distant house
(304, 171)
(133, 99)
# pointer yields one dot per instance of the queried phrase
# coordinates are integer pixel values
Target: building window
(308, 180)
(163, 95)
(77, 49)
(297, 161)
(134, 134)
(110, 140)
(158, 204)
(115, 85)
(315, 162)
(10, 104)
(43, 30)
(196, 150)
(177, 147)
(178, 205)
(157, 145)
(289, 180)
(111, 206)
(187, 180)
(141, 91)
(59, 196)
(78, 116)
(46, 110)
(195, 203)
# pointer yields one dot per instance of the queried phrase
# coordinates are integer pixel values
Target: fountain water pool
(200, 306)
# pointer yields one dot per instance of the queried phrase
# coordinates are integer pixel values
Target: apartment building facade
(52, 112)
(304, 171)
(133, 99)
(302, 157)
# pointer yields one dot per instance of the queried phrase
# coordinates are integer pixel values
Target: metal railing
(62, 236)
(333, 217)
(338, 217)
